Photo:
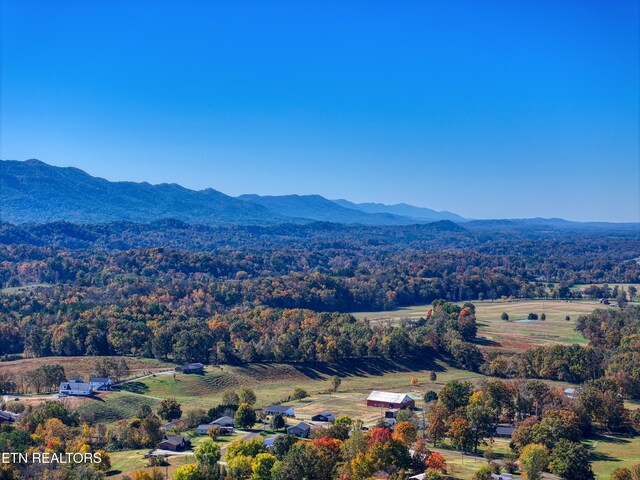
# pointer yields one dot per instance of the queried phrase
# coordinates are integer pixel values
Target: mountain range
(32, 191)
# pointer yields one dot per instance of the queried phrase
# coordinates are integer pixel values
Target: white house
(77, 389)
(100, 383)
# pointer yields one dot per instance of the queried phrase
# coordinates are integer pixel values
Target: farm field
(276, 382)
(513, 335)
(83, 366)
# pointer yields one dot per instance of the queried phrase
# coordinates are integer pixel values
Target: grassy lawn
(513, 335)
(462, 467)
(128, 461)
(608, 452)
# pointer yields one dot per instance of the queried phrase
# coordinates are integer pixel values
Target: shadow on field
(134, 387)
(366, 367)
(486, 342)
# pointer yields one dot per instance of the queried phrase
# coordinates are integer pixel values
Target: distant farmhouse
(100, 383)
(176, 443)
(390, 400)
(75, 389)
(79, 388)
(191, 368)
(504, 431)
(283, 410)
(302, 429)
(225, 424)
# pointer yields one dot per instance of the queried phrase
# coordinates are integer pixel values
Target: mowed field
(608, 452)
(513, 335)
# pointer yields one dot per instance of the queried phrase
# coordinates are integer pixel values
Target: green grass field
(608, 452)
(513, 335)
(128, 461)
(113, 406)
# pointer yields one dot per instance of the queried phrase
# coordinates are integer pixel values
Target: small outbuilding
(324, 417)
(191, 368)
(6, 417)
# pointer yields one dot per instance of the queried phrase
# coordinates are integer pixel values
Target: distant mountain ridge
(32, 191)
(402, 209)
(316, 207)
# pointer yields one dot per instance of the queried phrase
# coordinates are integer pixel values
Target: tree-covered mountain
(33, 191)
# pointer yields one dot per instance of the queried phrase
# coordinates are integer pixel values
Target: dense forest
(245, 294)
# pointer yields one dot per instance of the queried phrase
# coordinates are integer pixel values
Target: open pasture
(276, 382)
(512, 335)
(83, 366)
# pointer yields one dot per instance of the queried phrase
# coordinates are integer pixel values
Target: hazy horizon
(498, 110)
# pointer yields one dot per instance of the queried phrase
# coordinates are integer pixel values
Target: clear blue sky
(486, 108)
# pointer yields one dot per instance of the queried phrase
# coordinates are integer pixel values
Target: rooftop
(389, 397)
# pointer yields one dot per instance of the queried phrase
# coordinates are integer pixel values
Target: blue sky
(489, 109)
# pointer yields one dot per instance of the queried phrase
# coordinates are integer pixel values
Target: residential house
(225, 424)
(76, 389)
(284, 410)
(100, 383)
(504, 431)
(302, 430)
(177, 443)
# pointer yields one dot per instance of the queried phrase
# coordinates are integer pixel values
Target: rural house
(504, 431)
(283, 410)
(100, 383)
(324, 417)
(390, 400)
(78, 389)
(225, 424)
(191, 368)
(176, 443)
(300, 430)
